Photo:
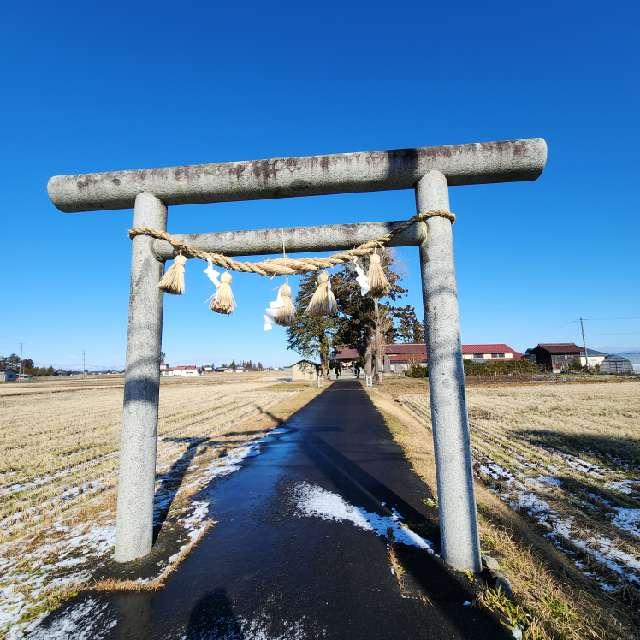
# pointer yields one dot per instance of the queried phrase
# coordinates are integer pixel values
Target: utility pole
(21, 370)
(84, 363)
(584, 343)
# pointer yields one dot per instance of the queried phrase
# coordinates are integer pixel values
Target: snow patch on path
(313, 501)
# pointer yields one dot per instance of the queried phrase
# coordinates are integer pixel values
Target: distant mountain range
(634, 356)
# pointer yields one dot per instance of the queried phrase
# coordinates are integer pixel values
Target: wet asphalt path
(264, 572)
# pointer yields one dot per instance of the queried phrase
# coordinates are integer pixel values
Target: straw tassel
(281, 310)
(323, 302)
(286, 312)
(173, 279)
(378, 283)
(223, 301)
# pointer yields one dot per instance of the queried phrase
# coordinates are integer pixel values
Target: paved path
(301, 546)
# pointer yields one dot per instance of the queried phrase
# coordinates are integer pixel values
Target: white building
(595, 358)
(182, 370)
(303, 370)
(484, 352)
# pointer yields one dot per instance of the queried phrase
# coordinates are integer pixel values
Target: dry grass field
(558, 470)
(59, 465)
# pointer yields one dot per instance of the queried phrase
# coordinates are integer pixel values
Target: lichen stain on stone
(236, 170)
(265, 170)
(433, 152)
(86, 181)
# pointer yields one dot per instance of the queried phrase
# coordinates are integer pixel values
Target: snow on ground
(73, 553)
(550, 480)
(495, 471)
(89, 487)
(313, 501)
(627, 519)
(61, 562)
(581, 465)
(51, 477)
(562, 531)
(233, 460)
(628, 487)
(87, 620)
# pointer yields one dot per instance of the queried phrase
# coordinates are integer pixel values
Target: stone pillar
(456, 497)
(137, 474)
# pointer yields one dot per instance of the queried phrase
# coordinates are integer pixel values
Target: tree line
(247, 365)
(13, 362)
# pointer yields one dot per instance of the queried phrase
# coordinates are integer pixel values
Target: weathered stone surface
(474, 163)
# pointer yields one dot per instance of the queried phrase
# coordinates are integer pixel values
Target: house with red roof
(402, 356)
(181, 370)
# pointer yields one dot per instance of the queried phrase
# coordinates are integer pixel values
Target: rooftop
(560, 348)
(418, 350)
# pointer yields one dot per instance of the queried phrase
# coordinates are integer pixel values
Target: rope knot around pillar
(435, 213)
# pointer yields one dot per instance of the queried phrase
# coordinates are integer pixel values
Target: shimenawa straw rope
(287, 266)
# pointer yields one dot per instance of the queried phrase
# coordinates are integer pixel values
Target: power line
(623, 333)
(607, 319)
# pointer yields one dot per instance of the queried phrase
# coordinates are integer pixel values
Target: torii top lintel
(475, 163)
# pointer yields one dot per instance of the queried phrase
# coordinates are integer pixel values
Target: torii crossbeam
(428, 170)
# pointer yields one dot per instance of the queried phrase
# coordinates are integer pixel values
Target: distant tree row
(247, 365)
(12, 361)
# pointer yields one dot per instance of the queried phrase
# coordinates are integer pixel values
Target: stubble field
(58, 473)
(564, 462)
(557, 466)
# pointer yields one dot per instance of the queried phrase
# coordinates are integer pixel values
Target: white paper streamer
(212, 274)
(361, 278)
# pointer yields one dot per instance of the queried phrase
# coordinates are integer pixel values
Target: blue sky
(99, 87)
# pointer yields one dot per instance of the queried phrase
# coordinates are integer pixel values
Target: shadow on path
(213, 617)
(427, 573)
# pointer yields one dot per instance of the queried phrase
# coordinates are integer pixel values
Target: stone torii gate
(427, 170)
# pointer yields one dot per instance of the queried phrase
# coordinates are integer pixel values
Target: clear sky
(91, 87)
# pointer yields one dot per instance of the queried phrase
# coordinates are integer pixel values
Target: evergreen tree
(407, 326)
(361, 322)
